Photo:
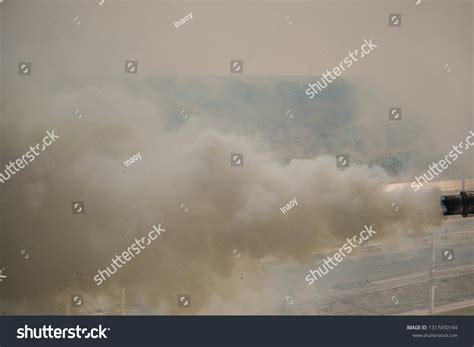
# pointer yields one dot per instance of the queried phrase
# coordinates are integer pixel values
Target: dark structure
(462, 204)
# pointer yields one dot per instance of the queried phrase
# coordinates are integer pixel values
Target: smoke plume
(229, 210)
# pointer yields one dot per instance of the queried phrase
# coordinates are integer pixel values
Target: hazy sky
(409, 68)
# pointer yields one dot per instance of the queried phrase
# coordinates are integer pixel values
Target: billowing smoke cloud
(229, 209)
